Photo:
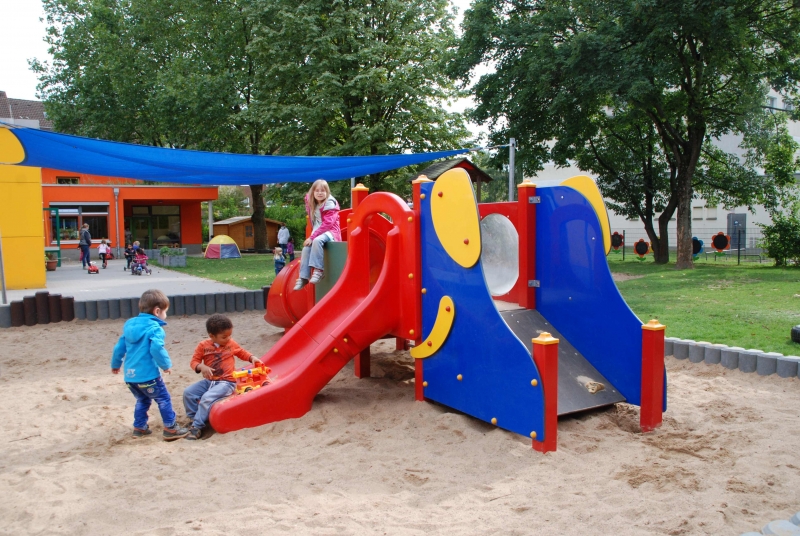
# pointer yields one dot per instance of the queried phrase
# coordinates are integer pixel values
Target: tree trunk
(684, 233)
(259, 223)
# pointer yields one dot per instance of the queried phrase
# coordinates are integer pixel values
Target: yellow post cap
(545, 338)
(654, 325)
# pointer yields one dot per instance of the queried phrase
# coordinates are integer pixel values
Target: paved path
(72, 280)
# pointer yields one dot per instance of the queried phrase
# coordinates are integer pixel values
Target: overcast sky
(22, 38)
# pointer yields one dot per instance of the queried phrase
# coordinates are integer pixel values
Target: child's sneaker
(176, 432)
(141, 432)
(316, 276)
(194, 433)
(300, 283)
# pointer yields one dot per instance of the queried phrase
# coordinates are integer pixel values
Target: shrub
(782, 239)
(295, 219)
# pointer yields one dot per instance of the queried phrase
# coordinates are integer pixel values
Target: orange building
(122, 210)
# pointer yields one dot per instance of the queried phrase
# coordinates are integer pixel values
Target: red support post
(526, 227)
(418, 199)
(361, 362)
(652, 402)
(545, 355)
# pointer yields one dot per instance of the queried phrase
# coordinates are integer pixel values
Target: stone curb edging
(180, 305)
(733, 357)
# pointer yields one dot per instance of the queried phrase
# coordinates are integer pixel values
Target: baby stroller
(139, 264)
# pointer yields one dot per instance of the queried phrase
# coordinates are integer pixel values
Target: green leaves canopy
(690, 70)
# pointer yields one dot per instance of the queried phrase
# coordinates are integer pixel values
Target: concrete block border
(179, 305)
(733, 357)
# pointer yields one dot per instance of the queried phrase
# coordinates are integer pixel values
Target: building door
(141, 231)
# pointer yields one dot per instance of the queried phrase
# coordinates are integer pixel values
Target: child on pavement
(214, 359)
(141, 350)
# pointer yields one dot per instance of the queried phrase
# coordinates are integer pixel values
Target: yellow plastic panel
(22, 211)
(20, 174)
(455, 217)
(24, 263)
(441, 329)
(586, 186)
(11, 151)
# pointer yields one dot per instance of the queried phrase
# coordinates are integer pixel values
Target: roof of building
(437, 168)
(27, 110)
(240, 219)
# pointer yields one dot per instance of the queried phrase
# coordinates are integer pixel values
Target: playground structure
(432, 275)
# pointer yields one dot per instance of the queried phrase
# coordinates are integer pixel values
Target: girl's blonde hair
(103, 241)
(312, 201)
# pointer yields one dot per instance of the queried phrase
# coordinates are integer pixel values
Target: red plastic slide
(350, 318)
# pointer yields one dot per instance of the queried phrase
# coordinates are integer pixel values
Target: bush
(295, 219)
(782, 239)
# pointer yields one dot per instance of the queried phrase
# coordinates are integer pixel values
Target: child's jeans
(314, 256)
(279, 266)
(199, 397)
(145, 393)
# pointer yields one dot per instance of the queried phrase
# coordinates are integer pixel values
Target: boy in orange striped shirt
(214, 359)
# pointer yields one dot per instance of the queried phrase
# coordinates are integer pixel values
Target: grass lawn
(251, 271)
(753, 305)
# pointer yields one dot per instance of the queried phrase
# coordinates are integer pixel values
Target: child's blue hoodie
(142, 347)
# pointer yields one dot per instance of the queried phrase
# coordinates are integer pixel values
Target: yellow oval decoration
(441, 329)
(455, 217)
(591, 192)
(11, 150)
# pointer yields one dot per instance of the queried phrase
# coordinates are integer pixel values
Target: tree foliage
(358, 77)
(351, 77)
(602, 81)
(782, 238)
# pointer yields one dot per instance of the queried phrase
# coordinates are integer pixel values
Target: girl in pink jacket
(323, 212)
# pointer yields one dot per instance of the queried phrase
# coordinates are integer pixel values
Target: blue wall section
(497, 368)
(577, 293)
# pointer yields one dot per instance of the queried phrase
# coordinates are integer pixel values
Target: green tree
(358, 77)
(169, 74)
(231, 203)
(690, 71)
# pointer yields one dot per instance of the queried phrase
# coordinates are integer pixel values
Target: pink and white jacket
(330, 219)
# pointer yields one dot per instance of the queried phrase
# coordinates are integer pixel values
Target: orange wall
(50, 176)
(188, 197)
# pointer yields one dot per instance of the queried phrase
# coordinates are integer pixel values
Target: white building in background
(707, 220)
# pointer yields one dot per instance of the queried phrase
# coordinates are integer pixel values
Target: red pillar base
(652, 403)
(361, 363)
(545, 355)
(419, 385)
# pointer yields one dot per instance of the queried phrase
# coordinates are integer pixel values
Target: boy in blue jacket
(141, 350)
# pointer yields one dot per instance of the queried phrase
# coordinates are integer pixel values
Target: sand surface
(368, 459)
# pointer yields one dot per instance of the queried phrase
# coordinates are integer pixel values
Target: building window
(68, 180)
(159, 225)
(68, 227)
(788, 106)
(711, 213)
(248, 231)
(98, 226)
(772, 102)
(697, 213)
(72, 218)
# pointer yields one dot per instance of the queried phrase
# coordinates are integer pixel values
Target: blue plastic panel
(577, 293)
(496, 367)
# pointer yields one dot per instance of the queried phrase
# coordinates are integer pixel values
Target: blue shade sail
(141, 162)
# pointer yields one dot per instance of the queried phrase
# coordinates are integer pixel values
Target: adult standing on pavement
(283, 237)
(85, 244)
